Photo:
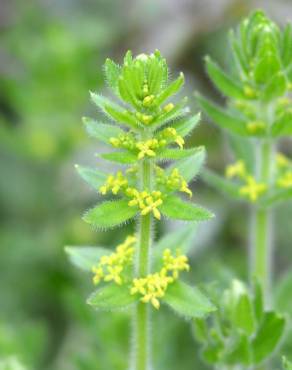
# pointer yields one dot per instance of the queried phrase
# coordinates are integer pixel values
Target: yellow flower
(169, 107)
(282, 161)
(285, 181)
(146, 148)
(114, 183)
(171, 134)
(153, 286)
(147, 202)
(256, 126)
(237, 169)
(110, 268)
(252, 189)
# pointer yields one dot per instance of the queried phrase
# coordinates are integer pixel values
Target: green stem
(142, 314)
(261, 224)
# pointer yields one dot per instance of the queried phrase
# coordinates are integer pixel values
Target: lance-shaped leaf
(114, 111)
(86, 257)
(112, 297)
(238, 352)
(267, 337)
(243, 315)
(275, 88)
(112, 72)
(222, 81)
(179, 110)
(190, 167)
(173, 154)
(101, 131)
(92, 176)
(109, 214)
(177, 240)
(283, 125)
(175, 208)
(187, 301)
(170, 90)
(222, 184)
(122, 157)
(222, 118)
(186, 124)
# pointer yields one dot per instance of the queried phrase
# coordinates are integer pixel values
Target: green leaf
(223, 119)
(200, 330)
(243, 316)
(238, 352)
(287, 45)
(109, 214)
(179, 110)
(122, 157)
(222, 184)
(114, 111)
(93, 177)
(283, 125)
(174, 154)
(275, 88)
(112, 297)
(283, 298)
(190, 167)
(223, 82)
(178, 209)
(187, 301)
(266, 68)
(112, 72)
(101, 131)
(179, 239)
(185, 125)
(86, 257)
(170, 90)
(267, 337)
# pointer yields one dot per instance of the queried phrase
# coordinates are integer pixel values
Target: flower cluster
(173, 181)
(114, 183)
(284, 167)
(111, 268)
(148, 147)
(147, 202)
(251, 189)
(153, 286)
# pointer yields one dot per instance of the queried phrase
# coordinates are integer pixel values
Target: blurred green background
(51, 55)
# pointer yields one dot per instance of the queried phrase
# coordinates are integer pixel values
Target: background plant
(257, 114)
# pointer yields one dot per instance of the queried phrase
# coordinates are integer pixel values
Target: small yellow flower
(282, 161)
(252, 189)
(255, 127)
(110, 268)
(169, 107)
(147, 148)
(153, 286)
(114, 184)
(148, 100)
(285, 181)
(237, 169)
(147, 202)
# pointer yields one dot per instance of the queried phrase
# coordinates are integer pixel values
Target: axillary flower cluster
(118, 268)
(252, 189)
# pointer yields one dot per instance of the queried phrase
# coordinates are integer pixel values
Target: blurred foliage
(51, 55)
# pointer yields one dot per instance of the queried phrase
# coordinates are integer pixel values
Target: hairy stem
(261, 231)
(142, 314)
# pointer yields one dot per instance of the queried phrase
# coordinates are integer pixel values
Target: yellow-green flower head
(285, 181)
(111, 268)
(153, 286)
(147, 202)
(252, 189)
(114, 183)
(238, 169)
(147, 148)
(282, 161)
